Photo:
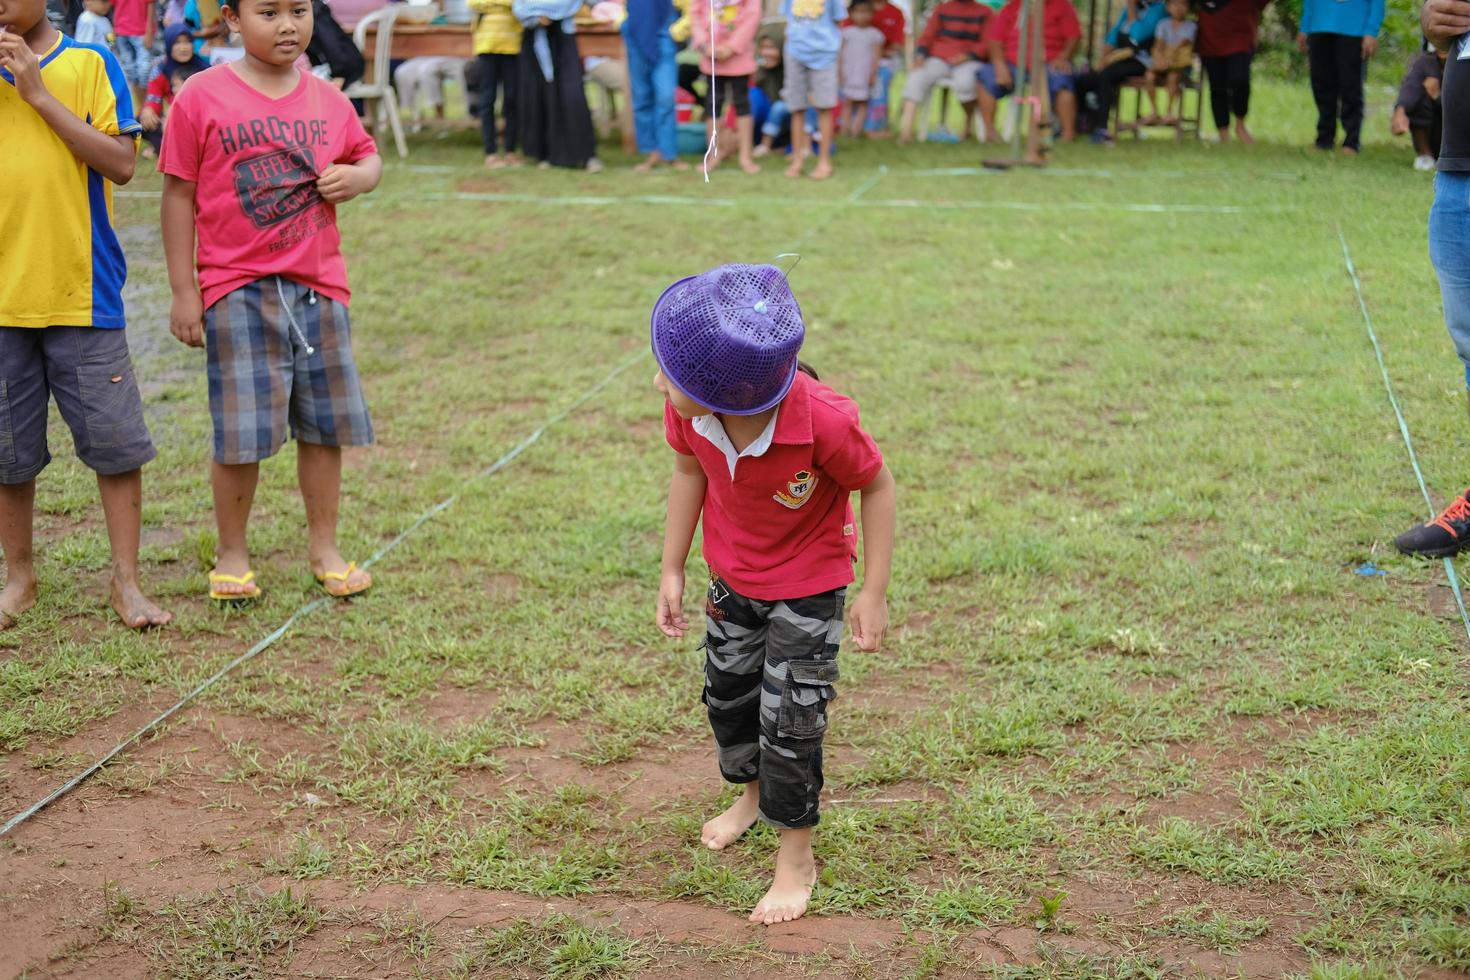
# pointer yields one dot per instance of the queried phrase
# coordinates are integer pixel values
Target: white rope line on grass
(271, 638)
(1352, 271)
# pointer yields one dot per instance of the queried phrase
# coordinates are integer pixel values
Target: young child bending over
(766, 457)
(257, 155)
(1173, 55)
(862, 50)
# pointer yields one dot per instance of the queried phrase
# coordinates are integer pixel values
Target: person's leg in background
(1063, 102)
(962, 84)
(1322, 63)
(990, 92)
(1238, 75)
(1449, 252)
(645, 124)
(490, 83)
(1217, 72)
(1108, 81)
(665, 78)
(916, 89)
(876, 124)
(1350, 69)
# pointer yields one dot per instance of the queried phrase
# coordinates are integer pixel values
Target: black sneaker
(1442, 537)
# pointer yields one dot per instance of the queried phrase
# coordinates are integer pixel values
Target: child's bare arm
(869, 615)
(686, 500)
(342, 182)
(111, 156)
(186, 318)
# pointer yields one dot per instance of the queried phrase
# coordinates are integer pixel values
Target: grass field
(1137, 716)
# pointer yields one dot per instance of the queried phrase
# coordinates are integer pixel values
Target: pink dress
(735, 25)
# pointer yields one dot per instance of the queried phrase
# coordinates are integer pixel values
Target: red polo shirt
(783, 527)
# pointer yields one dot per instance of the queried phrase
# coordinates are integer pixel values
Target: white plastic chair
(377, 88)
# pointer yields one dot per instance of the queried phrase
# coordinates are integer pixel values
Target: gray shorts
(88, 371)
(921, 80)
(805, 87)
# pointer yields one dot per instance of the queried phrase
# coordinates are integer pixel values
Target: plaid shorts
(279, 354)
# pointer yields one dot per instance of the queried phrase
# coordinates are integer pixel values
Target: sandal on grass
(335, 583)
(216, 579)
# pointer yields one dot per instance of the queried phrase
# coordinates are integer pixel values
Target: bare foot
(750, 166)
(651, 161)
(822, 171)
(513, 160)
(1243, 133)
(678, 165)
(796, 876)
(760, 151)
(879, 134)
(1348, 151)
(494, 161)
(17, 596)
(136, 610)
(728, 827)
(793, 169)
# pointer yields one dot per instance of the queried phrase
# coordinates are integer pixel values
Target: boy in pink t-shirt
(256, 156)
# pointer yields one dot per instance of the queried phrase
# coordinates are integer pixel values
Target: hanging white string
(714, 123)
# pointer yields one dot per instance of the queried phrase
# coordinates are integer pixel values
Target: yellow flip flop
(217, 579)
(326, 578)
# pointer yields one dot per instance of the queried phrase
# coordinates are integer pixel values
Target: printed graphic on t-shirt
(810, 9)
(277, 187)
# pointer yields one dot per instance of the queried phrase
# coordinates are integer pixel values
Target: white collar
(712, 429)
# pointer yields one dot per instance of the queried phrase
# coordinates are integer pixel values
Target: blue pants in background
(654, 83)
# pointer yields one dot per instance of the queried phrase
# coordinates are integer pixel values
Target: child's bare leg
(825, 126)
(1175, 96)
(234, 495)
(745, 128)
(857, 112)
(728, 827)
(17, 509)
(122, 507)
(801, 143)
(796, 875)
(709, 135)
(319, 468)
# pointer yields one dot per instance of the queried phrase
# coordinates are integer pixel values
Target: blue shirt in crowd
(812, 35)
(1355, 18)
(1138, 33)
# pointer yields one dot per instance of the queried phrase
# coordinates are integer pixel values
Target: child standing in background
(813, 41)
(132, 24)
(497, 46)
(767, 458)
(729, 65)
(93, 27)
(256, 157)
(653, 77)
(862, 49)
(1173, 55)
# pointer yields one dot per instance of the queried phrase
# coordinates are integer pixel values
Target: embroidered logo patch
(798, 491)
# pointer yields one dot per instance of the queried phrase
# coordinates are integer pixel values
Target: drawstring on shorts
(310, 298)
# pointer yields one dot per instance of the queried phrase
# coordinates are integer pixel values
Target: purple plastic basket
(728, 338)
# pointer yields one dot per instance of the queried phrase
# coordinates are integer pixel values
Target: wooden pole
(1039, 89)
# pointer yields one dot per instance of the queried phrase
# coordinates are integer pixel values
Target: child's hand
(17, 58)
(869, 619)
(723, 52)
(670, 612)
(186, 318)
(1400, 122)
(341, 182)
(149, 118)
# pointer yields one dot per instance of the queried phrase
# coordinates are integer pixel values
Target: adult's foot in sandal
(18, 596)
(796, 876)
(135, 609)
(728, 827)
(1441, 537)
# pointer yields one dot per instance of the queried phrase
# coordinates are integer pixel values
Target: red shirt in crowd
(1230, 28)
(130, 18)
(782, 527)
(889, 19)
(255, 162)
(1059, 27)
(955, 28)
